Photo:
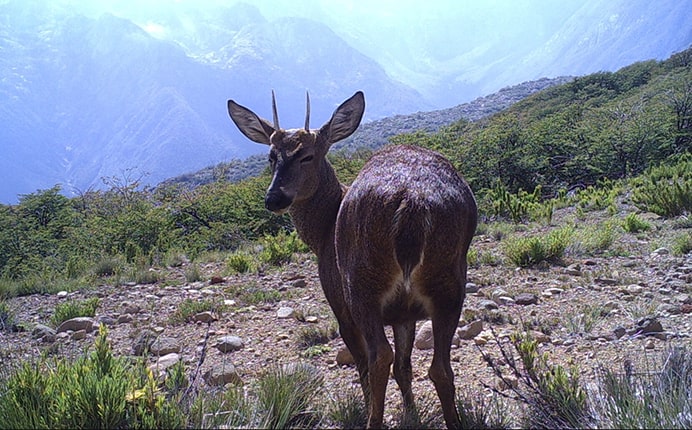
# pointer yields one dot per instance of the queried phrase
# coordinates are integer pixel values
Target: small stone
(471, 288)
(470, 330)
(285, 312)
(685, 299)
(131, 308)
(488, 304)
(507, 382)
(43, 332)
(649, 344)
(505, 300)
(686, 309)
(539, 336)
(107, 320)
(573, 270)
(164, 345)
(216, 280)
(79, 335)
(660, 251)
(62, 294)
(525, 299)
(164, 362)
(229, 344)
(311, 319)
(222, 375)
(76, 324)
(424, 338)
(300, 283)
(124, 319)
(554, 291)
(606, 281)
(204, 317)
(344, 357)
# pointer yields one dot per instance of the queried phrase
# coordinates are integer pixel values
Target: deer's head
(296, 155)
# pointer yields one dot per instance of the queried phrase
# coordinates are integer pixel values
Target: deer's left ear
(255, 128)
(345, 119)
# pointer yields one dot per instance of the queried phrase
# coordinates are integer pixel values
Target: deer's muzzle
(278, 202)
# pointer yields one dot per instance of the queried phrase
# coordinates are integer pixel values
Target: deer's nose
(277, 202)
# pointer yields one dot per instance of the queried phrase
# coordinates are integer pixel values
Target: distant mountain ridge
(84, 99)
(375, 134)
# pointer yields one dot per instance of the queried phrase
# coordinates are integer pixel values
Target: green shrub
(633, 224)
(659, 400)
(316, 335)
(553, 394)
(7, 322)
(279, 249)
(240, 262)
(348, 411)
(665, 190)
(97, 390)
(107, 266)
(285, 395)
(479, 412)
(682, 243)
(193, 274)
(69, 310)
(528, 251)
(595, 239)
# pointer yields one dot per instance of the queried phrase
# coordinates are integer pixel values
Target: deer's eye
(307, 159)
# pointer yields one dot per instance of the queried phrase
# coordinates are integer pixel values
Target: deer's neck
(315, 217)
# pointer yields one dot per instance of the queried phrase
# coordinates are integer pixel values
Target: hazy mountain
(86, 98)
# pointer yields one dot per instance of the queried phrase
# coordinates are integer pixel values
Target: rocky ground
(592, 310)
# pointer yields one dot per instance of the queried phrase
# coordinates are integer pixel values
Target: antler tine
(307, 113)
(276, 115)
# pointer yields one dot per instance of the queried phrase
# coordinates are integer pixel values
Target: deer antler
(307, 113)
(276, 115)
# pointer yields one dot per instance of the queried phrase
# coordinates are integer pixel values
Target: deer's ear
(255, 128)
(345, 119)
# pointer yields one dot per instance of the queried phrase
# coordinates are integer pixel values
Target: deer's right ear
(255, 128)
(345, 119)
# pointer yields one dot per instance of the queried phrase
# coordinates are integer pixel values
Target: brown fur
(391, 249)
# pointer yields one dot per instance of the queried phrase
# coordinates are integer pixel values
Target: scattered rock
(204, 317)
(646, 325)
(43, 332)
(107, 320)
(525, 299)
(649, 344)
(62, 294)
(488, 305)
(660, 251)
(229, 344)
(79, 335)
(216, 280)
(344, 357)
(424, 337)
(76, 324)
(553, 291)
(634, 289)
(470, 330)
(131, 308)
(221, 375)
(573, 270)
(164, 362)
(285, 312)
(471, 288)
(300, 283)
(125, 318)
(163, 345)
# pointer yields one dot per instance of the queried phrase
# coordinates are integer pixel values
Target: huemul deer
(391, 247)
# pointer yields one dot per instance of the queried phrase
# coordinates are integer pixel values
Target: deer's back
(408, 210)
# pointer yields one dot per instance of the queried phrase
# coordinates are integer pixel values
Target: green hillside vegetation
(554, 145)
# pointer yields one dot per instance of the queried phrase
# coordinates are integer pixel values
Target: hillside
(374, 134)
